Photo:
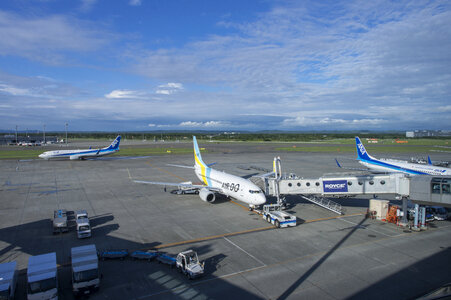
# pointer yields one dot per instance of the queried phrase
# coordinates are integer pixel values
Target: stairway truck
(8, 280)
(42, 281)
(188, 263)
(85, 270)
(274, 215)
(60, 221)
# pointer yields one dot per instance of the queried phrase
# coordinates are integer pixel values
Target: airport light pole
(66, 133)
(44, 134)
(17, 142)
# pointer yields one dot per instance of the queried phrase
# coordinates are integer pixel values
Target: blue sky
(225, 65)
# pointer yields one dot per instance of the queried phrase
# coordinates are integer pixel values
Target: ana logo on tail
(362, 149)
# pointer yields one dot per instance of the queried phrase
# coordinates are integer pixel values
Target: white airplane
(398, 166)
(215, 181)
(85, 153)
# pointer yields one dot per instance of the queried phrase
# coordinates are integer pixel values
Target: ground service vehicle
(42, 281)
(85, 270)
(60, 221)
(274, 215)
(83, 228)
(188, 263)
(8, 280)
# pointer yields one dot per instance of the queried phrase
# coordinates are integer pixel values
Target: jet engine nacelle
(74, 157)
(207, 195)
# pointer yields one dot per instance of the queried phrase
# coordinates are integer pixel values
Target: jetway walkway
(423, 189)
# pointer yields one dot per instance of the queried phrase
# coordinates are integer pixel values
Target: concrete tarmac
(325, 257)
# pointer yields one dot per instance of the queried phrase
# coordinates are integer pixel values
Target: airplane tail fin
(361, 151)
(197, 157)
(115, 144)
(429, 160)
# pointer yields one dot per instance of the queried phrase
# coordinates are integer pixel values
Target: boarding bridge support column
(404, 212)
(423, 218)
(415, 220)
(277, 168)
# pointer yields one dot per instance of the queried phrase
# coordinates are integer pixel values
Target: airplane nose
(261, 199)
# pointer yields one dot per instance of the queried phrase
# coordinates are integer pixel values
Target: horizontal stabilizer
(180, 166)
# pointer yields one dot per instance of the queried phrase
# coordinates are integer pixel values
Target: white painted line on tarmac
(256, 259)
(366, 228)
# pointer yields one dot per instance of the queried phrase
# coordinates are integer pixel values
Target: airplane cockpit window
(254, 192)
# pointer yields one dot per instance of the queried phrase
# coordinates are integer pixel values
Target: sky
(140, 65)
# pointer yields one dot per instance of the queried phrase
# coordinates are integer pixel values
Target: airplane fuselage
(77, 154)
(404, 167)
(230, 185)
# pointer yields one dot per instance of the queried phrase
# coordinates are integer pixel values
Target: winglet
(361, 151)
(429, 160)
(338, 164)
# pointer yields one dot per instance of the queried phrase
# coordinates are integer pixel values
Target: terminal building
(427, 133)
(10, 139)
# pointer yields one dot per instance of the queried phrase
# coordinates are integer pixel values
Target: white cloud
(124, 94)
(169, 88)
(46, 38)
(321, 122)
(135, 2)
(446, 108)
(204, 124)
(14, 90)
(86, 5)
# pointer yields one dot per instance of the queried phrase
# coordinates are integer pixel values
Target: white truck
(188, 263)
(8, 280)
(60, 221)
(42, 281)
(274, 215)
(82, 223)
(85, 270)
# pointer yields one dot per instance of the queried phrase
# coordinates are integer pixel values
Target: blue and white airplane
(82, 154)
(219, 182)
(397, 166)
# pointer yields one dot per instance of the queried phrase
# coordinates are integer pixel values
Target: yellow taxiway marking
(212, 237)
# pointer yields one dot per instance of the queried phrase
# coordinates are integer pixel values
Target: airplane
(85, 153)
(217, 182)
(395, 166)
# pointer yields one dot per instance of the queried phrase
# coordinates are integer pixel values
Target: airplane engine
(74, 157)
(207, 195)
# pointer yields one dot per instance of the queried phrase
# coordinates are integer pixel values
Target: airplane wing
(360, 169)
(354, 169)
(181, 185)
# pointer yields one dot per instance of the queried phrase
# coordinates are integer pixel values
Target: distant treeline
(181, 136)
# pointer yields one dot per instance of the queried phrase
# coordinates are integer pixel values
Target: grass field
(33, 153)
(424, 146)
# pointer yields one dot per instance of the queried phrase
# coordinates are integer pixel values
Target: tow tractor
(274, 215)
(188, 263)
(185, 190)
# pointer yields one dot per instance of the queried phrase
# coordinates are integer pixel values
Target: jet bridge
(423, 189)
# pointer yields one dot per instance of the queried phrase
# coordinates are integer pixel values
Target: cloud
(135, 2)
(322, 122)
(124, 94)
(169, 88)
(47, 38)
(342, 56)
(204, 124)
(86, 5)
(14, 90)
